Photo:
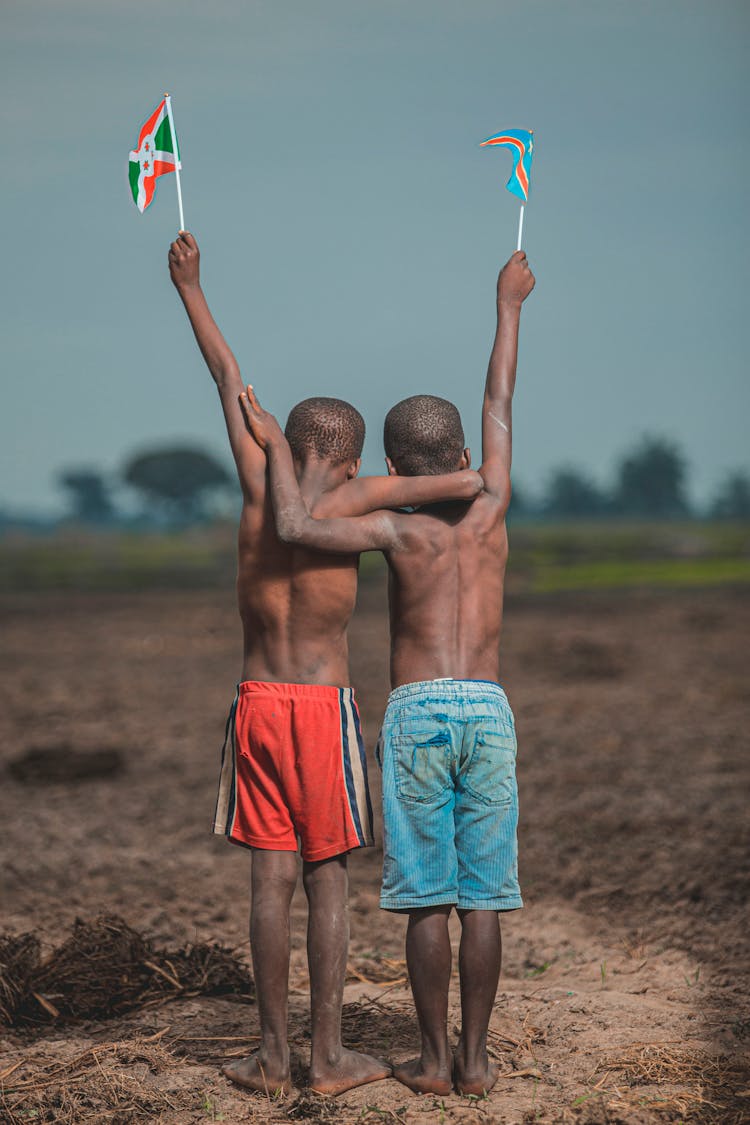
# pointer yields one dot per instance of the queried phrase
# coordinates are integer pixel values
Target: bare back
(446, 592)
(295, 604)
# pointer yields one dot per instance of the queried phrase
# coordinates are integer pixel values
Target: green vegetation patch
(613, 574)
(117, 562)
(544, 558)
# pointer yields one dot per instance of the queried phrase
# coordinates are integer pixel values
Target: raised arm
(513, 287)
(346, 535)
(184, 269)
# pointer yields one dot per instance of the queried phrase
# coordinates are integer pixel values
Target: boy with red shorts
(293, 764)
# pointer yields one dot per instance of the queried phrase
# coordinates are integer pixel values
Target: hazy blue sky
(351, 229)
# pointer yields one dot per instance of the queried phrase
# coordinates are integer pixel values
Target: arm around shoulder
(294, 524)
(369, 494)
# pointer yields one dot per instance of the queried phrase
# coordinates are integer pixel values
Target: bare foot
(254, 1074)
(479, 1080)
(421, 1081)
(352, 1069)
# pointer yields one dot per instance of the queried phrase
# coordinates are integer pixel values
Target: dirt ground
(624, 990)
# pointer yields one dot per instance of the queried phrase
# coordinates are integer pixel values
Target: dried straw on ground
(113, 1082)
(106, 968)
(678, 1082)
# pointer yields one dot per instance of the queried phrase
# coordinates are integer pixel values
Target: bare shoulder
(455, 527)
(490, 504)
(486, 519)
(487, 508)
(335, 504)
(329, 506)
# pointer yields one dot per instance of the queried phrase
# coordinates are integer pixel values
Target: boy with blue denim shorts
(447, 746)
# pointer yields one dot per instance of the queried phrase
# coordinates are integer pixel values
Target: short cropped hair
(423, 436)
(328, 428)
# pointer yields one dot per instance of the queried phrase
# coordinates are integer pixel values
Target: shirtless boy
(448, 746)
(293, 763)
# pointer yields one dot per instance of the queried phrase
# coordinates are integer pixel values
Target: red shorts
(293, 766)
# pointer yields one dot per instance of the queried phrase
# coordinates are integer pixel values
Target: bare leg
(428, 957)
(332, 1068)
(479, 966)
(273, 882)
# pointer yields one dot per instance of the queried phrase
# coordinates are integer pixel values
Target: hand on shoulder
(261, 424)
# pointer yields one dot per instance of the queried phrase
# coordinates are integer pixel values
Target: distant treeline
(168, 486)
(650, 482)
(177, 486)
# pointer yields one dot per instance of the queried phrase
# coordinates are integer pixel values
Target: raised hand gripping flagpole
(521, 144)
(178, 163)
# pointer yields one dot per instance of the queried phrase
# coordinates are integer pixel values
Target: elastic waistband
(449, 689)
(294, 691)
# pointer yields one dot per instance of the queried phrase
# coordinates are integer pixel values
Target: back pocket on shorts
(421, 763)
(490, 776)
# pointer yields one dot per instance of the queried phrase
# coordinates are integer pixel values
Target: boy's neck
(316, 476)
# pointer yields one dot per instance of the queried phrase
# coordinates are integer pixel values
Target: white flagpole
(520, 228)
(177, 164)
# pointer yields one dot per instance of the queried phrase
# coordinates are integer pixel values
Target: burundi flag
(156, 154)
(521, 144)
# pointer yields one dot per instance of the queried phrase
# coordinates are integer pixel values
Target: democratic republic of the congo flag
(156, 154)
(521, 144)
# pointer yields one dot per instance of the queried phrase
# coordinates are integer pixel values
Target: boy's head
(328, 429)
(423, 436)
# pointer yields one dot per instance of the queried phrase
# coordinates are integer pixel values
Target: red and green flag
(156, 154)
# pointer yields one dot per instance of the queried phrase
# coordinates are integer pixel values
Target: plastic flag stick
(177, 164)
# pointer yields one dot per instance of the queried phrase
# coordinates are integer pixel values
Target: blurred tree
(176, 480)
(89, 495)
(732, 501)
(571, 493)
(651, 481)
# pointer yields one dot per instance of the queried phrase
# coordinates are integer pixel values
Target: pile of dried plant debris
(105, 968)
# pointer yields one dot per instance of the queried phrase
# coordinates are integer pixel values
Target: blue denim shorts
(450, 800)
